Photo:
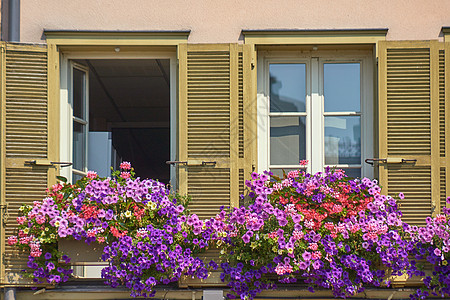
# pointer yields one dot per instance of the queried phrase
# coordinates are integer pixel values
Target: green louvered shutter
(28, 125)
(215, 118)
(413, 126)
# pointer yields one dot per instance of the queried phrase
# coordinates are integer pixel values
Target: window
(80, 108)
(122, 111)
(315, 106)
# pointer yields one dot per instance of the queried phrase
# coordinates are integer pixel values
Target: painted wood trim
(434, 110)
(105, 38)
(250, 102)
(446, 31)
(315, 37)
(182, 117)
(234, 125)
(53, 111)
(250, 82)
(382, 114)
(447, 116)
(2, 152)
(197, 294)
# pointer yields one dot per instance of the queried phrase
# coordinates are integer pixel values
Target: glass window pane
(287, 140)
(287, 87)
(79, 146)
(352, 172)
(342, 87)
(76, 177)
(343, 140)
(78, 93)
(279, 172)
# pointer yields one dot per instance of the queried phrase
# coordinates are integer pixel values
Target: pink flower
(91, 175)
(437, 252)
(40, 219)
(277, 186)
(293, 174)
(313, 246)
(36, 253)
(304, 162)
(21, 220)
(317, 255)
(12, 240)
(125, 175)
(125, 165)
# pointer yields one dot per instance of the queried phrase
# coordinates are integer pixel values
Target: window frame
(84, 121)
(315, 113)
(66, 130)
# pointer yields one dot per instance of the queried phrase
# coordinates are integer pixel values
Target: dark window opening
(129, 115)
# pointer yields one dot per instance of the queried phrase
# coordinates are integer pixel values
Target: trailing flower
(332, 231)
(139, 222)
(326, 229)
(432, 242)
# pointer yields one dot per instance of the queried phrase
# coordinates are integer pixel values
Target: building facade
(201, 93)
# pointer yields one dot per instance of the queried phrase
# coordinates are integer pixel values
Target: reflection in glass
(343, 140)
(79, 146)
(287, 87)
(342, 87)
(353, 172)
(76, 177)
(287, 140)
(279, 172)
(78, 93)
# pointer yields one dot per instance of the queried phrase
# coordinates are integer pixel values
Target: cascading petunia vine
(432, 242)
(138, 221)
(326, 229)
(332, 231)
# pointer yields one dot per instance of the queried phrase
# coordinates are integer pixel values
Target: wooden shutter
(215, 124)
(28, 132)
(413, 124)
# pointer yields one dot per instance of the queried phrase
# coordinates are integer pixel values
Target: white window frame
(66, 113)
(85, 120)
(315, 113)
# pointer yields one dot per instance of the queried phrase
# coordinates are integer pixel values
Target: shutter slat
(412, 123)
(25, 117)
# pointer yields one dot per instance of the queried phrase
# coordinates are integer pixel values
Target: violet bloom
(246, 238)
(306, 256)
(297, 218)
(109, 214)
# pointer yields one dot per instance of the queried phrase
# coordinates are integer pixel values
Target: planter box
(213, 279)
(85, 259)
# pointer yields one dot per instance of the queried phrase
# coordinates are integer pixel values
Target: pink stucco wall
(221, 21)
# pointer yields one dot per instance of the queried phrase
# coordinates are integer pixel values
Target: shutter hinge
(2, 49)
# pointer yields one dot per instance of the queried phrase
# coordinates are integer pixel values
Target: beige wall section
(219, 21)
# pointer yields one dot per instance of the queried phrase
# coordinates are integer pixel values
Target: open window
(121, 111)
(116, 110)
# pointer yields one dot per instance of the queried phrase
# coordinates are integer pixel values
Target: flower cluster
(139, 222)
(329, 230)
(326, 229)
(432, 242)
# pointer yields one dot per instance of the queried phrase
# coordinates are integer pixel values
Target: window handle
(389, 160)
(192, 162)
(44, 162)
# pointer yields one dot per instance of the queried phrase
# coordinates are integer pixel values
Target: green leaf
(62, 178)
